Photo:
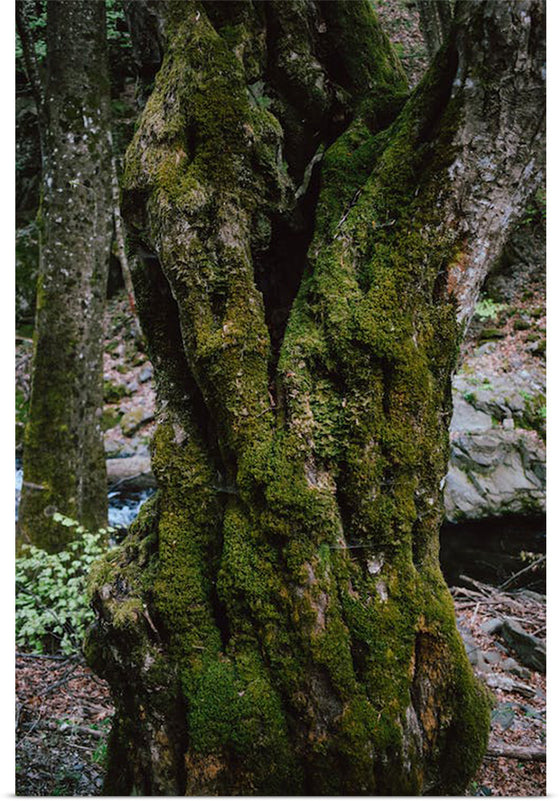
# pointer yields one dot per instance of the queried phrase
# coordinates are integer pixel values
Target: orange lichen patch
(202, 773)
(455, 272)
(429, 680)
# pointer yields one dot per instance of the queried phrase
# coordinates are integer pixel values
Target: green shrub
(52, 610)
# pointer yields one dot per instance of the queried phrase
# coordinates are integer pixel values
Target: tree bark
(435, 22)
(276, 621)
(63, 461)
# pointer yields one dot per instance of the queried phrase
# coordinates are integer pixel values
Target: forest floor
(64, 711)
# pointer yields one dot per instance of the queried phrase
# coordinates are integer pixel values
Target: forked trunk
(276, 621)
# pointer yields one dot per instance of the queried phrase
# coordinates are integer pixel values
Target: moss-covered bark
(63, 463)
(283, 590)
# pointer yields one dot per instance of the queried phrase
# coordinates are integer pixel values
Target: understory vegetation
(52, 605)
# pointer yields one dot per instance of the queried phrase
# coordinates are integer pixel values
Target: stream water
(488, 550)
(123, 505)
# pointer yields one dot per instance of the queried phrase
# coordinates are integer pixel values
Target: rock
(498, 682)
(112, 445)
(495, 472)
(530, 650)
(532, 711)
(467, 418)
(134, 418)
(139, 446)
(477, 660)
(492, 626)
(499, 395)
(514, 667)
(132, 386)
(134, 472)
(503, 715)
(533, 596)
(492, 657)
(146, 374)
(474, 654)
(496, 466)
(488, 347)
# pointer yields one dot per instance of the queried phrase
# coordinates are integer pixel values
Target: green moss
(488, 334)
(187, 526)
(292, 578)
(109, 419)
(367, 60)
(112, 393)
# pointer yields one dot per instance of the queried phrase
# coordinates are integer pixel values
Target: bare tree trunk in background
(435, 22)
(63, 461)
(121, 249)
(312, 244)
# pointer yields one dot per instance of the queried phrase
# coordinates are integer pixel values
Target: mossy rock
(112, 392)
(110, 418)
(133, 419)
(489, 334)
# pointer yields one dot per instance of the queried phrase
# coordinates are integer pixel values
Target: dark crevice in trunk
(279, 271)
(446, 64)
(418, 545)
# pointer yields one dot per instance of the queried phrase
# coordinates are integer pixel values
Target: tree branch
(121, 249)
(526, 754)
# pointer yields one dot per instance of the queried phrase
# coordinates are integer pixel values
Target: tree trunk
(276, 621)
(435, 22)
(63, 462)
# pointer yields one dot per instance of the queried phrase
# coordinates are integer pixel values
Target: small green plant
(52, 610)
(100, 753)
(535, 212)
(488, 309)
(22, 406)
(117, 31)
(257, 95)
(470, 397)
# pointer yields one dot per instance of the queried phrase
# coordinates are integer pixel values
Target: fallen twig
(532, 566)
(55, 685)
(72, 728)
(527, 754)
(55, 657)
(486, 589)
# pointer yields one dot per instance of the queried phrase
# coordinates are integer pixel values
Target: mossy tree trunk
(63, 460)
(312, 241)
